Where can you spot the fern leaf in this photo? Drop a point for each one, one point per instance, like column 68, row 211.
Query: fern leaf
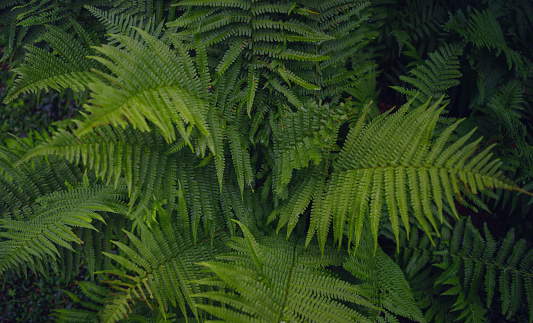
column 240, row 157
column 147, row 89
column 287, row 284
column 484, row 30
column 488, row 265
column 403, row 142
column 162, row 267
column 385, row 278
column 439, row 73
column 68, row 67
column 38, row 240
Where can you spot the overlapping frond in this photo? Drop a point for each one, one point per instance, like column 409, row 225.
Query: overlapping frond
column 115, row 153
column 42, row 195
column 21, row 186
column 148, row 81
column 158, row 266
column 483, row 263
column 292, row 49
column 66, row 67
column 24, row 22
column 308, row 185
column 151, row 170
column 96, row 297
column 483, row 30
column 35, row 241
column 416, row 255
column 301, row 137
column 125, row 24
column 238, row 111
column 439, row 73
column 270, row 280
column 384, row 278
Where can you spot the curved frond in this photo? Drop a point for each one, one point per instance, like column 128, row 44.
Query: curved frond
column 494, row 267
column 35, row 241
column 438, row 73
column 482, row 29
column 385, row 279
column 147, row 82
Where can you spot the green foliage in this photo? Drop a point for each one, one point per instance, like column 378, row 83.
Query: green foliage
column 464, row 262
column 275, row 281
column 384, row 279
column 33, row 298
column 68, row 68
column 483, row 30
column 219, row 170
column 433, row 78
column 407, row 174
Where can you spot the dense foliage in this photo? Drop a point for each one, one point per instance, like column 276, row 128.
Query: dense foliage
column 240, row 160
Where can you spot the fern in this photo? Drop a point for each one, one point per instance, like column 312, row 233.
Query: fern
column 275, row 281
column 162, row 271
column 504, row 267
column 261, row 32
column 36, row 241
column 145, row 89
column 467, row 262
column 364, row 183
column 438, row 74
column 385, row 279
column 39, row 223
column 483, row 30
column 68, row 67
column 211, row 124
column 156, row 268
column 147, row 165
column 26, row 20
column 125, row 24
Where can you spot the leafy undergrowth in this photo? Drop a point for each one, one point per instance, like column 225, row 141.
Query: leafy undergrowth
column 33, row 298
column 30, row 113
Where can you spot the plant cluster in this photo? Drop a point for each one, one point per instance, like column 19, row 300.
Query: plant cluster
column 231, row 163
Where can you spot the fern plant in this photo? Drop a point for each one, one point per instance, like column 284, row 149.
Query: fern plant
column 219, row 170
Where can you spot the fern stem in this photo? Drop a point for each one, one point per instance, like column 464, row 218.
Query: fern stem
column 288, row 284
column 316, row 54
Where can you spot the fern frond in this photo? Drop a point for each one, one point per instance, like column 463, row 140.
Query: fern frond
column 504, row 267
column 225, row 3
column 321, row 42
column 385, row 279
column 389, row 163
column 145, row 86
column 66, row 67
column 21, row 186
column 148, row 165
column 439, row 73
column 271, row 280
column 159, row 265
column 37, row 240
column 111, row 152
column 483, row 29
column 240, row 158
column 125, row 24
